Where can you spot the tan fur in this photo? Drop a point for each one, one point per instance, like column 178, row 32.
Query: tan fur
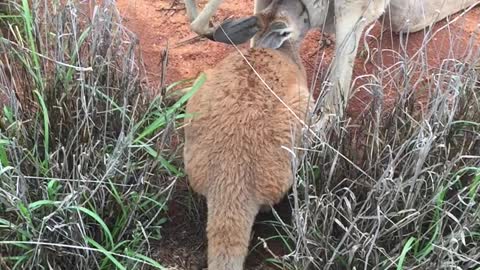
column 234, row 153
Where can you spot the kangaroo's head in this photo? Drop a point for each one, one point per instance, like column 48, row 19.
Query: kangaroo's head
column 283, row 23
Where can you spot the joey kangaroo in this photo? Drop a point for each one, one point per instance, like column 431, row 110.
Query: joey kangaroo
column 239, row 142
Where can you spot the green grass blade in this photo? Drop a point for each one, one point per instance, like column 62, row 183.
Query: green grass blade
column 8, row 114
column 474, row 186
column 148, row 260
column 114, row 250
column 6, row 224
column 24, row 212
column 167, row 165
column 173, row 85
column 150, row 129
column 435, row 223
column 106, row 253
column 36, row 205
column 81, row 39
column 196, row 85
column 46, row 125
column 160, row 122
column 99, row 220
column 405, row 250
column 29, row 24
column 3, row 154
column 53, row 187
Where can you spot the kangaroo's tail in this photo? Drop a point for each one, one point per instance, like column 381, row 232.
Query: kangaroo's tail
column 230, row 221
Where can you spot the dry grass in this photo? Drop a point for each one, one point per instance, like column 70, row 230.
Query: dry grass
column 85, row 175
column 398, row 189
column 86, row 165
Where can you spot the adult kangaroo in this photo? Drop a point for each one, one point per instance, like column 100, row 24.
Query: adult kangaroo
column 346, row 18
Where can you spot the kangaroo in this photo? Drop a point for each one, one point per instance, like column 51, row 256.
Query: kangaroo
column 239, row 142
column 347, row 19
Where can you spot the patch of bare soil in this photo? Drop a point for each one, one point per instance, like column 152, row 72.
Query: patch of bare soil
column 162, row 26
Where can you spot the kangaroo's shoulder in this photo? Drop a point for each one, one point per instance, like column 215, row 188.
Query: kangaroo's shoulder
column 258, row 66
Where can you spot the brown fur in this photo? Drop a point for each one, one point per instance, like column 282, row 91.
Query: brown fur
column 233, row 145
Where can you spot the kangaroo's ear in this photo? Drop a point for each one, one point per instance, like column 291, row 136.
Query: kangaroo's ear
column 236, row 31
column 275, row 36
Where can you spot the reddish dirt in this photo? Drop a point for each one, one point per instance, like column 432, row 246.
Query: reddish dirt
column 459, row 40
column 163, row 24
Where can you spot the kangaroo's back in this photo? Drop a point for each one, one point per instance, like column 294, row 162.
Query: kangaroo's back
column 240, row 124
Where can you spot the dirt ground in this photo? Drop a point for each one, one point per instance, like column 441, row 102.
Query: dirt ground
column 162, row 24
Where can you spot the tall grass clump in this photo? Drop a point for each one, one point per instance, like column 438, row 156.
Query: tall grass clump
column 399, row 188
column 84, row 171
